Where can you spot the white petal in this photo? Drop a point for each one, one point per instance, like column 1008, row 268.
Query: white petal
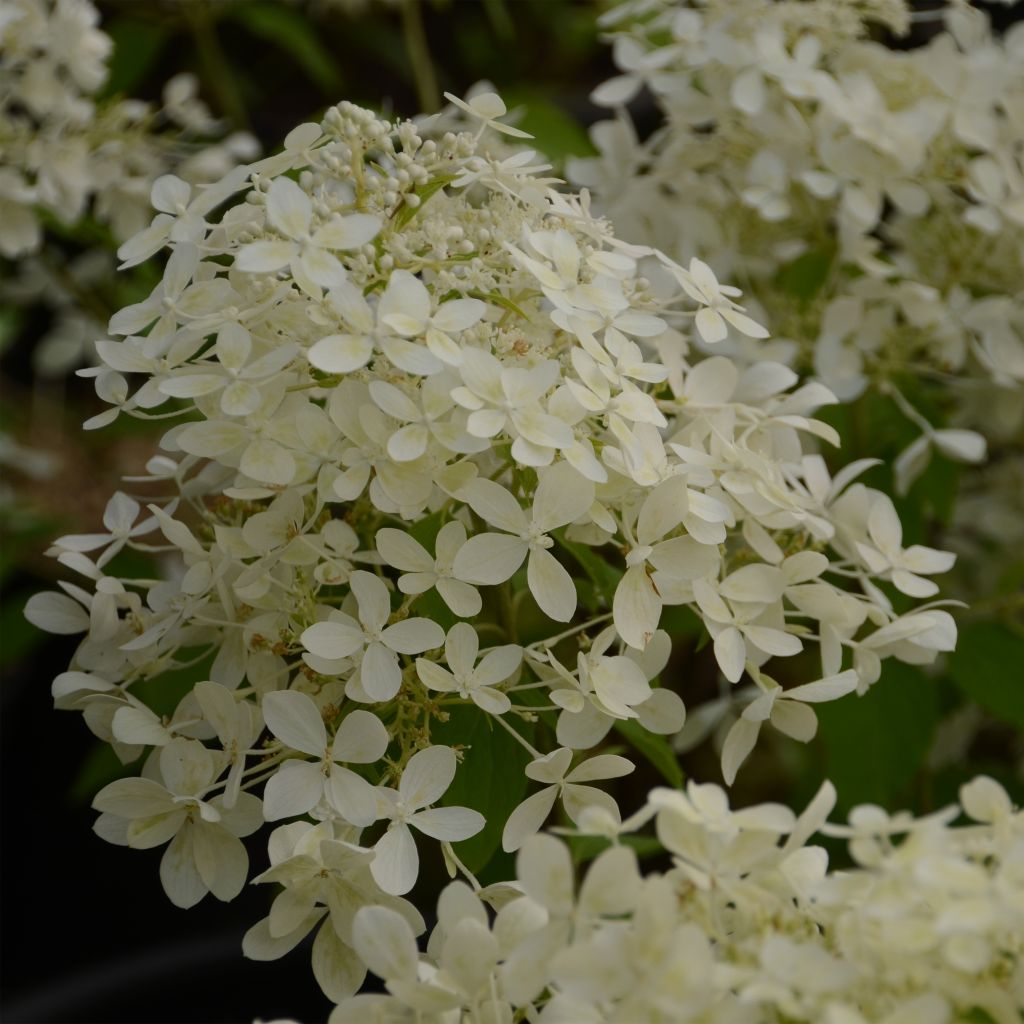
column 603, row 766
column 636, row 607
column 527, row 818
column 361, row 739
column 551, row 585
column 57, row 613
column 761, row 584
column 408, row 443
column 497, row 665
column 352, row 796
column 178, row 872
column 394, row 402
column 730, row 653
column 294, row 789
column 289, row 209
column 461, row 647
column 341, row 353
column 259, row 944
column 169, row 192
column 831, row 688
column 338, row 970
column 372, row 596
column 451, row 824
column 544, row 868
column 267, row 462
column 738, row 745
column 711, row 325
column 962, row 445
column 133, row 798
column 320, row 267
column 712, row 382
column 138, row 725
column 349, row 232
column 795, row 720
column 496, row 505
column 265, row 257
column 406, row 295
column 332, row 640
column 563, row 496
column 380, row 672
column 396, row 861
column 458, row 314
column 773, row 641
column 494, row 702
column 385, row 943
column 434, row 677
column 489, row 558
column 663, row 712
column 744, row 324
column 747, row 93
column 427, row 775
column 413, row 636
column 403, row 552
column 220, row 859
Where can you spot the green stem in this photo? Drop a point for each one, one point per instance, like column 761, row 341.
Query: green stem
column 215, row 65
column 419, row 56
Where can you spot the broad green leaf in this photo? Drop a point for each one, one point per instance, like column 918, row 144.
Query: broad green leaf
column 655, row 748
column 489, row 779
column 876, row 744
column 986, row 666
column 602, row 574
column 586, row 848
column 805, row 276
column 556, row 133
column 137, row 46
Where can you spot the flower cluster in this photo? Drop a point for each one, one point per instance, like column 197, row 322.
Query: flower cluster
column 440, row 457
column 746, row 925
column 63, row 149
column 871, row 199
column 67, row 153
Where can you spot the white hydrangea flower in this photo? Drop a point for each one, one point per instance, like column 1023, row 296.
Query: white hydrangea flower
column 424, row 780
column 417, row 337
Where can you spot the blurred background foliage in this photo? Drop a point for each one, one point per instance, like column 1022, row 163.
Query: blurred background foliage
column 266, row 65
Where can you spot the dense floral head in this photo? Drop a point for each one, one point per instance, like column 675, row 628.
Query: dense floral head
column 871, row 198
column 443, row 455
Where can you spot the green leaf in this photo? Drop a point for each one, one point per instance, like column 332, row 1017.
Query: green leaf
column 499, row 300
column 977, row 1015
column 805, row 276
column 137, row 46
column 986, row 666
column 586, row 848
column 655, row 748
column 20, row 637
column 164, row 692
column 99, row 767
column 405, row 212
column 556, row 133
column 875, row 745
column 490, row 778
column 292, row 32
column 10, row 324
column 601, row 573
